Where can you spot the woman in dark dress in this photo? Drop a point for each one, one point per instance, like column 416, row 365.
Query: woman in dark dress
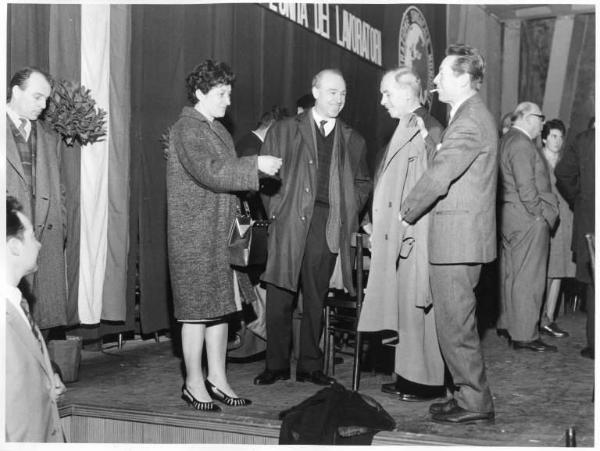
column 203, row 171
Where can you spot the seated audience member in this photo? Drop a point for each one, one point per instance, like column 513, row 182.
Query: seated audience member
column 575, row 180
column 32, row 386
column 249, row 145
column 250, row 339
column 560, row 264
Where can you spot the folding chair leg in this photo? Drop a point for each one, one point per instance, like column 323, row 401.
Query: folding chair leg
column 356, row 367
column 326, row 340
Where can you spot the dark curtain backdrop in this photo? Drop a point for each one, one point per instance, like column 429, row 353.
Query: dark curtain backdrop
column 274, row 60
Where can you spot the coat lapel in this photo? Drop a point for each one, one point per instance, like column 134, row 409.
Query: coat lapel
column 392, row 152
column 44, row 145
column 12, row 154
column 307, row 131
column 223, row 135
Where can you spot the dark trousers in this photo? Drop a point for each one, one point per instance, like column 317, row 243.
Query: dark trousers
column 454, row 302
column 317, row 266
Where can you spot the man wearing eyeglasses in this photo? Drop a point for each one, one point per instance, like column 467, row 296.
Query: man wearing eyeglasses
column 529, row 211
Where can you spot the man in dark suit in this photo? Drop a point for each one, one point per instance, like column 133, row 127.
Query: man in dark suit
column 459, row 187
column 324, row 185
column 529, row 211
column 32, row 386
column 33, row 176
column 575, row 180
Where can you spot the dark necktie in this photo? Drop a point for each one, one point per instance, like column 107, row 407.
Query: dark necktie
column 22, row 129
column 34, row 329
column 322, row 127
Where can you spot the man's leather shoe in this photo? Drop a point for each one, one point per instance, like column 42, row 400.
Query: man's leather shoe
column 458, row 415
column 535, row 345
column 587, row 352
column 503, row 333
column 553, row 330
column 316, row 377
column 442, row 407
column 422, row 394
column 268, row 377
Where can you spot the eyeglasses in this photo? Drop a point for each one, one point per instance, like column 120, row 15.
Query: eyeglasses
column 541, row 116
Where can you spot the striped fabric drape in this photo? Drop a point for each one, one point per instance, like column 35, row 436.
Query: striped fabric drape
column 88, row 44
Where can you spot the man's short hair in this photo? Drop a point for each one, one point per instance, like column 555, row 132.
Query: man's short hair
column 405, row 76
column 206, row 76
column 553, row 124
column 21, row 76
column 522, row 110
column 305, row 102
column 469, row 61
column 14, row 226
column 317, row 78
column 277, row 113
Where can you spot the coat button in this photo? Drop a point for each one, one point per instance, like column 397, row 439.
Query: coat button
column 390, row 204
column 50, row 227
column 386, row 236
column 303, row 218
column 307, row 190
column 310, row 162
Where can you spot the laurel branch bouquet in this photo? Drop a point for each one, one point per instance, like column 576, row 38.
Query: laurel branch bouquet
column 73, row 114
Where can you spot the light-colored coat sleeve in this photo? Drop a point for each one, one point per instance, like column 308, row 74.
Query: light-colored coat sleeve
column 32, row 412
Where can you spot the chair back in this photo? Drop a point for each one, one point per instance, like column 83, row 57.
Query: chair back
column 591, row 249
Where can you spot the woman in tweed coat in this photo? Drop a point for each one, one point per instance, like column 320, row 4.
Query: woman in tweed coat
column 202, row 172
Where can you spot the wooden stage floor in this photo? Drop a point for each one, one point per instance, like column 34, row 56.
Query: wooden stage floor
column 537, row 395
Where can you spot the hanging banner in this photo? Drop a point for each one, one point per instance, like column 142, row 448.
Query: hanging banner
column 336, row 24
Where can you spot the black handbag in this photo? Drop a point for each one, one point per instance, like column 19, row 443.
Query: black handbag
column 247, row 239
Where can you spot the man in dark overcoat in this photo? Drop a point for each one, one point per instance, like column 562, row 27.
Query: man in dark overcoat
column 575, row 180
column 459, row 190
column 324, row 185
column 33, row 176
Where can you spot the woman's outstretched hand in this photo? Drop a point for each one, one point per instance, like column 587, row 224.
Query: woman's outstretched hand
column 269, row 164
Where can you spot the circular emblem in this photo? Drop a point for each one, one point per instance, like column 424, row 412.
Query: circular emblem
column 415, row 49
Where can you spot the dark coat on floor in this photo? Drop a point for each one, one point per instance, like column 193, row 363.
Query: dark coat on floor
column 332, row 414
column 202, row 170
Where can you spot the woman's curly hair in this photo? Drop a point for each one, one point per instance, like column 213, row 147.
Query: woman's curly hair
column 206, row 76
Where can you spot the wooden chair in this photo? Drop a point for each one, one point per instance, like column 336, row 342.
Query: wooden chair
column 347, row 320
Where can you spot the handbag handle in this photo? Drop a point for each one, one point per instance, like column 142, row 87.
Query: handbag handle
column 244, row 208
